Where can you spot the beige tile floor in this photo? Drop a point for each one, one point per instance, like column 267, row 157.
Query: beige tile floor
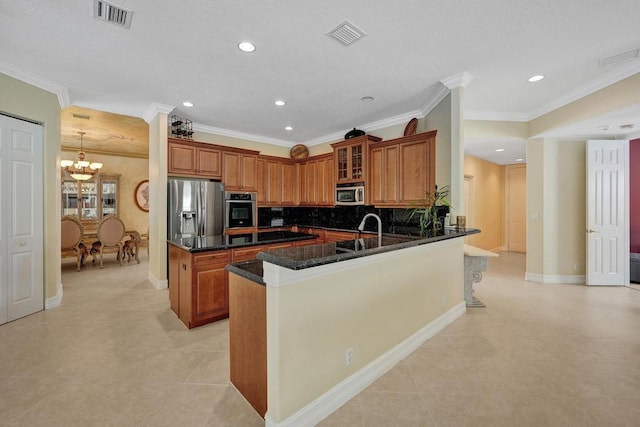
column 538, row 355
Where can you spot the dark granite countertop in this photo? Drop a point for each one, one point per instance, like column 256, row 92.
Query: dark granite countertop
column 251, row 270
column 314, row 255
column 211, row 243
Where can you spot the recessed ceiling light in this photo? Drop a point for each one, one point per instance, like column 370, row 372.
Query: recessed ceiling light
column 519, row 160
column 288, row 128
column 280, row 102
column 246, row 46
column 367, row 99
column 499, row 149
column 187, row 104
column 535, row 78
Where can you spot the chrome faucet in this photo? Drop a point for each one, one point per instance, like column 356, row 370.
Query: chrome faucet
column 361, row 226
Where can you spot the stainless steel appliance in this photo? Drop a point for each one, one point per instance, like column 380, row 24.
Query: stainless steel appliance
column 350, row 195
column 195, row 208
column 241, row 210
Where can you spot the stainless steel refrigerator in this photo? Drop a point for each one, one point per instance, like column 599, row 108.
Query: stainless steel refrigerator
column 195, row 208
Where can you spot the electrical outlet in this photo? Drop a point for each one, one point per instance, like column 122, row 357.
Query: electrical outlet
column 444, row 300
column 576, row 266
column 348, row 356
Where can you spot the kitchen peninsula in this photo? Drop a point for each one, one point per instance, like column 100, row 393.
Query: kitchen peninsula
column 312, row 326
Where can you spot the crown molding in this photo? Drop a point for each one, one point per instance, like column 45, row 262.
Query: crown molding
column 621, row 73
column 241, row 135
column 441, row 94
column 38, row 81
column 457, row 80
column 155, row 109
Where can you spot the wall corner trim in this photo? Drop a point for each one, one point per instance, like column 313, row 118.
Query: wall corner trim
column 55, row 300
column 156, row 283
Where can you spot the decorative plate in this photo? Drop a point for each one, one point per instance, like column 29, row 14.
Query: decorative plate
column 299, row 151
column 411, row 127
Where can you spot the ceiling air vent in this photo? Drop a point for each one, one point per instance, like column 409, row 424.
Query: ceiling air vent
column 111, row 13
column 346, row 33
column 620, row 58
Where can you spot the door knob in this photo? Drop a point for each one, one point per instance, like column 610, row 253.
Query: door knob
column 591, row 231
column 23, row 243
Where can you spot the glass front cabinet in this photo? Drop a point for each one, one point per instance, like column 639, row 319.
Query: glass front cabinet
column 90, row 200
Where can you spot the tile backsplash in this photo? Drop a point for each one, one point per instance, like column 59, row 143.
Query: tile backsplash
column 340, row 217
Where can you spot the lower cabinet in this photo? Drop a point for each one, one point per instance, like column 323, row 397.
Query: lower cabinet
column 198, row 285
column 338, row 236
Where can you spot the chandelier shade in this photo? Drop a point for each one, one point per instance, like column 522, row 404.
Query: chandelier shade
column 81, row 169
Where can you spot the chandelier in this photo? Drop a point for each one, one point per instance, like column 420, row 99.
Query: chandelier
column 82, row 169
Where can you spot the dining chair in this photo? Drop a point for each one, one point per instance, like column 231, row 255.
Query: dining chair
column 110, row 234
column 72, row 234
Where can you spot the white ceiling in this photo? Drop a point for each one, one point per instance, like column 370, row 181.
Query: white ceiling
column 177, row 51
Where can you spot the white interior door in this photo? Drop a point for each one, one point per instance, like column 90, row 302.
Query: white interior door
column 21, row 219
column 607, row 248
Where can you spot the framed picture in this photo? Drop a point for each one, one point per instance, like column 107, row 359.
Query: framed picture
column 141, row 195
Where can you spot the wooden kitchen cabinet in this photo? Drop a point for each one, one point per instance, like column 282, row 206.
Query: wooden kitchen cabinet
column 239, row 170
column 402, row 170
column 351, row 159
column 198, row 285
column 192, row 159
column 277, row 179
column 316, row 181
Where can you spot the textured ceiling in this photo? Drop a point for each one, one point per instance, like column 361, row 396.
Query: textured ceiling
column 176, row 51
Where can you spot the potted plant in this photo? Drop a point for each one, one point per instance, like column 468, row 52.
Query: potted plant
column 427, row 209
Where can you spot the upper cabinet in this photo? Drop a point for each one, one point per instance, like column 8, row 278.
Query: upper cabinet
column 90, row 200
column 194, row 160
column 276, row 181
column 239, row 170
column 351, row 159
column 316, row 181
column 402, row 170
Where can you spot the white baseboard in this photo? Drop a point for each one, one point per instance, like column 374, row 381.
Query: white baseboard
column 578, row 279
column 55, row 300
column 156, row 283
column 333, row 399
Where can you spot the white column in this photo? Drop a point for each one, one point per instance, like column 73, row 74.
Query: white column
column 157, row 117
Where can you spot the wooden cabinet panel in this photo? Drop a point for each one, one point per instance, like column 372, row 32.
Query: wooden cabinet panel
column 415, row 170
column 289, row 187
column 211, row 293
column 209, row 162
column 316, row 181
column 283, row 245
column 338, row 236
column 245, row 254
column 239, row 171
column 194, row 159
column 402, row 170
column 174, row 278
column 182, row 159
column 383, row 177
column 274, row 177
column 261, row 182
column 198, row 285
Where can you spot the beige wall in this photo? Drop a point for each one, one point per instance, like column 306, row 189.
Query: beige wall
column 481, row 129
column 614, row 97
column 488, row 205
column 132, row 171
column 370, row 304
column 556, row 200
column 23, row 100
column 268, row 149
column 440, row 119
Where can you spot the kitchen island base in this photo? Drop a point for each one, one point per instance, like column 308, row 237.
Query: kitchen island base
column 378, row 308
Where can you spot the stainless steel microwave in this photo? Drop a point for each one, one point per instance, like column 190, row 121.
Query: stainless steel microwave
column 350, row 196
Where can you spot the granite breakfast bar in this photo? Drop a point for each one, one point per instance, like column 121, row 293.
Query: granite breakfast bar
column 310, row 327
